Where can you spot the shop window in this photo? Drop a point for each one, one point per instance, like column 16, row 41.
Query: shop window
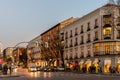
column 107, row 65
column 96, row 51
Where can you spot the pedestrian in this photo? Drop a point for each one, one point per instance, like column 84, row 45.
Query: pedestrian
column 10, row 69
column 5, row 69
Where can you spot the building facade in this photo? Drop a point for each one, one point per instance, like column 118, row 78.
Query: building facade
column 94, row 40
column 34, row 52
column 51, row 44
column 20, row 56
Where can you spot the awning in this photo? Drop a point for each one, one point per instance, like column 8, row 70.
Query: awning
column 87, row 62
column 1, row 62
column 94, row 62
column 81, row 62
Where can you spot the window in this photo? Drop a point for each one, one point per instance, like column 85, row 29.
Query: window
column 118, row 37
column 88, row 29
column 70, row 33
column 66, row 44
column 107, row 20
column 66, row 35
column 96, row 50
column 82, row 39
column 76, row 41
column 71, row 43
column 96, row 36
column 81, row 29
column 107, row 49
column 88, row 38
column 107, row 33
column 88, row 52
column 76, row 29
column 82, row 54
column 96, row 23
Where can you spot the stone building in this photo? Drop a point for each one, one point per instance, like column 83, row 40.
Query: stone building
column 94, row 40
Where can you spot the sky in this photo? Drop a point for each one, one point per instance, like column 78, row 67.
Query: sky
column 23, row 20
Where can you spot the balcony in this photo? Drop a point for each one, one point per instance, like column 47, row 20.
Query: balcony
column 76, row 34
column 81, row 42
column 88, row 29
column 82, row 56
column 70, row 36
column 70, row 58
column 88, row 41
column 75, row 57
column 95, row 39
column 66, row 46
column 71, row 45
column 118, row 37
column 66, row 37
column 62, row 39
column 76, row 44
column 88, row 55
column 107, row 25
column 95, row 27
column 107, row 37
column 66, row 58
column 81, row 32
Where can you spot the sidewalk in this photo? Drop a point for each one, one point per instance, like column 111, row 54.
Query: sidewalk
column 13, row 75
column 9, row 75
column 112, row 74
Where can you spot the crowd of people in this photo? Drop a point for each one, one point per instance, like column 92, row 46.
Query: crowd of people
column 4, row 68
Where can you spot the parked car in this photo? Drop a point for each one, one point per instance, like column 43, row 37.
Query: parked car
column 38, row 68
column 47, row 68
column 60, row 68
column 32, row 69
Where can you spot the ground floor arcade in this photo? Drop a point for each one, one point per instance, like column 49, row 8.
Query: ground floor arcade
column 102, row 64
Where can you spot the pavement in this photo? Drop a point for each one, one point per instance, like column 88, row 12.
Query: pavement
column 13, row 75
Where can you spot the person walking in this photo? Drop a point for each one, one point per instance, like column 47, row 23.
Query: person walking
column 5, row 69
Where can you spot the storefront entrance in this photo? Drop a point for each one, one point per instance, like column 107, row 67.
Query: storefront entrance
column 88, row 64
column 81, row 64
column 118, row 65
column 107, row 65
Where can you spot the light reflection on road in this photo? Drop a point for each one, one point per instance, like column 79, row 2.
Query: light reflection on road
column 37, row 74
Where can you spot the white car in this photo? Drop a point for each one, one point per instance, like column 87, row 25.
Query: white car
column 60, row 68
column 32, row 69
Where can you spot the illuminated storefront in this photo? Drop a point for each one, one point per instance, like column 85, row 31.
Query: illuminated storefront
column 81, row 64
column 107, row 65
column 88, row 64
column 96, row 65
column 118, row 65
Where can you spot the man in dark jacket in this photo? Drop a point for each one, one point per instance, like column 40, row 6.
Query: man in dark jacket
column 5, row 69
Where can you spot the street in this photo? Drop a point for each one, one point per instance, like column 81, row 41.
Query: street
column 25, row 75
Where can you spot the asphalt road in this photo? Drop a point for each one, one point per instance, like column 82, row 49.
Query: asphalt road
column 25, row 75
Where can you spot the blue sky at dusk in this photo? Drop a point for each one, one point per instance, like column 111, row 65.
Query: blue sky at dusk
column 23, row 20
